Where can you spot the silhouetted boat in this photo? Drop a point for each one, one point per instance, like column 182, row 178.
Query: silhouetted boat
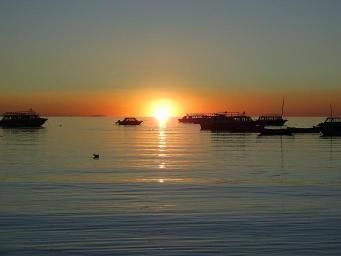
column 129, row 121
column 314, row 129
column 192, row 118
column 273, row 119
column 196, row 118
column 270, row 120
column 231, row 122
column 275, row 131
column 331, row 126
column 22, row 119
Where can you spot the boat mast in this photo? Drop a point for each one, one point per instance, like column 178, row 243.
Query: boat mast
column 331, row 110
column 282, row 107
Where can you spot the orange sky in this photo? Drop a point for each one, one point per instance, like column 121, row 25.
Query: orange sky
column 121, row 57
column 143, row 102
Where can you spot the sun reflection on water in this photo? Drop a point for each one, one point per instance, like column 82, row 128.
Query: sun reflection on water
column 161, row 180
column 162, row 148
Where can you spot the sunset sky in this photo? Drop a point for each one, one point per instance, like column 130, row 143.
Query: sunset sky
column 125, row 57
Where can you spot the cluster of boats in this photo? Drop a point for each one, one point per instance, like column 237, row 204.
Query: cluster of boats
column 265, row 124
column 224, row 121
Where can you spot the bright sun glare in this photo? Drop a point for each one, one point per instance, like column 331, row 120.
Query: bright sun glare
column 162, row 111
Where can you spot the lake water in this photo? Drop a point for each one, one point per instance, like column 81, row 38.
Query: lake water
column 169, row 190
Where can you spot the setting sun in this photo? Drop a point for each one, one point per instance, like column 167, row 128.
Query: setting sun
column 162, row 113
column 162, row 110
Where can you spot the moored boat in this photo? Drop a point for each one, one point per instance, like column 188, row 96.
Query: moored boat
column 129, row 121
column 275, row 131
column 271, row 120
column 230, row 122
column 314, row 129
column 22, row 119
column 192, row 118
column 196, row 118
column 331, row 126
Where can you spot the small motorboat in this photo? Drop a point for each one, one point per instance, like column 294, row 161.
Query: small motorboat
column 279, row 131
column 129, row 121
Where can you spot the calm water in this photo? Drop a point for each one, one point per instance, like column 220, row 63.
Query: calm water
column 172, row 190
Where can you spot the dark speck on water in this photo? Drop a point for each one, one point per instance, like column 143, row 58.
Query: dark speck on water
column 169, row 190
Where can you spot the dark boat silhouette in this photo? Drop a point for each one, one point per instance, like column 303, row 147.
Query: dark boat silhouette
column 22, row 119
column 196, row 118
column 191, row 118
column 129, row 121
column 289, row 130
column 276, row 131
column 271, row 120
column 331, row 126
column 314, row 129
column 231, row 122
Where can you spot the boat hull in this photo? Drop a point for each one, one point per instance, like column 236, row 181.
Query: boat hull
column 186, row 121
column 248, row 127
column 331, row 131
column 132, row 123
column 23, row 123
column 191, row 120
column 274, row 132
column 304, row 130
column 331, row 127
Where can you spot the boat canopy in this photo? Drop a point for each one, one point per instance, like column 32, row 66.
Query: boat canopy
column 270, row 117
column 333, row 120
column 200, row 115
column 21, row 115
